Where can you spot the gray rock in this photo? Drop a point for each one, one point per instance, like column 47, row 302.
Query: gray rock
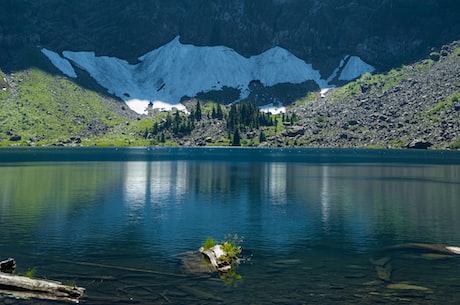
column 15, row 138
column 419, row 144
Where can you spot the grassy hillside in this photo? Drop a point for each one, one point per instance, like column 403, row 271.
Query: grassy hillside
column 41, row 109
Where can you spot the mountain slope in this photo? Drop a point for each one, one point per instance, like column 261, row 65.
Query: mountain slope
column 40, row 109
column 418, row 101
column 415, row 102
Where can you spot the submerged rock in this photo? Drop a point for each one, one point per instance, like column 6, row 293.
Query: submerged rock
column 403, row 286
column 383, row 268
column 384, row 272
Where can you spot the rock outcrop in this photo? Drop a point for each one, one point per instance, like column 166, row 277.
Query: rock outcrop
column 383, row 33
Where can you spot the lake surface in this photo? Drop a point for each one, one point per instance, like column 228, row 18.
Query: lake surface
column 127, row 224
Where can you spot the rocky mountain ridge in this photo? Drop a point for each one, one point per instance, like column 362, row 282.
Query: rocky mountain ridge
column 383, row 33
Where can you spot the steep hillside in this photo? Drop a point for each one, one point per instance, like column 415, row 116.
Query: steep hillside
column 37, row 108
column 417, row 102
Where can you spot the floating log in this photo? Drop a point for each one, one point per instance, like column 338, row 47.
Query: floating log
column 427, row 247
column 43, row 289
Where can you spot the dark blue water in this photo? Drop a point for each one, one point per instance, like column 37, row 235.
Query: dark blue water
column 126, row 224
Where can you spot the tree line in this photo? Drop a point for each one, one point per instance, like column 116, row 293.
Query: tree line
column 240, row 117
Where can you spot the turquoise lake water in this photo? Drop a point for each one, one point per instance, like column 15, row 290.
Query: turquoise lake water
column 127, row 223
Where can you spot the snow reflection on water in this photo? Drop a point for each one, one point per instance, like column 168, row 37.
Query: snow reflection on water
column 310, row 228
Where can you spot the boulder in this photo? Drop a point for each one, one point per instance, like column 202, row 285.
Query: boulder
column 294, row 131
column 418, row 144
column 15, row 138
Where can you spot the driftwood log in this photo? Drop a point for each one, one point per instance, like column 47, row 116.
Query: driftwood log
column 24, row 287
column 43, row 289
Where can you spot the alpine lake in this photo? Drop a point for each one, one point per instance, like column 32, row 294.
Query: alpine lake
column 317, row 226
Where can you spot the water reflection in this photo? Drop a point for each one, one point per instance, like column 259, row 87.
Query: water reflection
column 275, row 182
column 325, row 200
column 276, row 203
column 143, row 214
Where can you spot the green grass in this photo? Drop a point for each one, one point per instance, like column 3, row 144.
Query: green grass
column 4, row 88
column 456, row 52
column 321, row 119
column 381, row 82
column 452, row 100
column 307, row 99
column 31, row 273
column 455, row 145
column 209, row 243
column 51, row 109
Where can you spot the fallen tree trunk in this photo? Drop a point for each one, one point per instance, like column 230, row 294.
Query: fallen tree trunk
column 43, row 289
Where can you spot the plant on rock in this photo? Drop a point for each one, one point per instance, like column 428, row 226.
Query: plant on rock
column 209, row 243
column 222, row 256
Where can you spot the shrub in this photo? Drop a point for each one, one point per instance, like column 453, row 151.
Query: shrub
column 209, row 243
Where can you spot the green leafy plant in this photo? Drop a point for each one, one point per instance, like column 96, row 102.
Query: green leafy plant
column 232, row 251
column 30, row 273
column 209, row 243
column 231, row 246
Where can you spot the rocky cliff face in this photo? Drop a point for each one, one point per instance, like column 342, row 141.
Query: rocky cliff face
column 384, row 33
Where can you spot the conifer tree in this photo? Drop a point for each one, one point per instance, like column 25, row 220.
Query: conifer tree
column 236, row 138
column 219, row 113
column 198, row 111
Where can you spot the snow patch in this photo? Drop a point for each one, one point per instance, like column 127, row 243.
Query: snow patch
column 354, row 68
column 324, row 91
column 336, row 71
column 166, row 75
column 139, row 106
column 273, row 108
column 61, row 63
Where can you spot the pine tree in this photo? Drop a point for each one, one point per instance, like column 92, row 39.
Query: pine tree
column 219, row 113
column 262, row 137
column 198, row 111
column 214, row 112
column 236, row 138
